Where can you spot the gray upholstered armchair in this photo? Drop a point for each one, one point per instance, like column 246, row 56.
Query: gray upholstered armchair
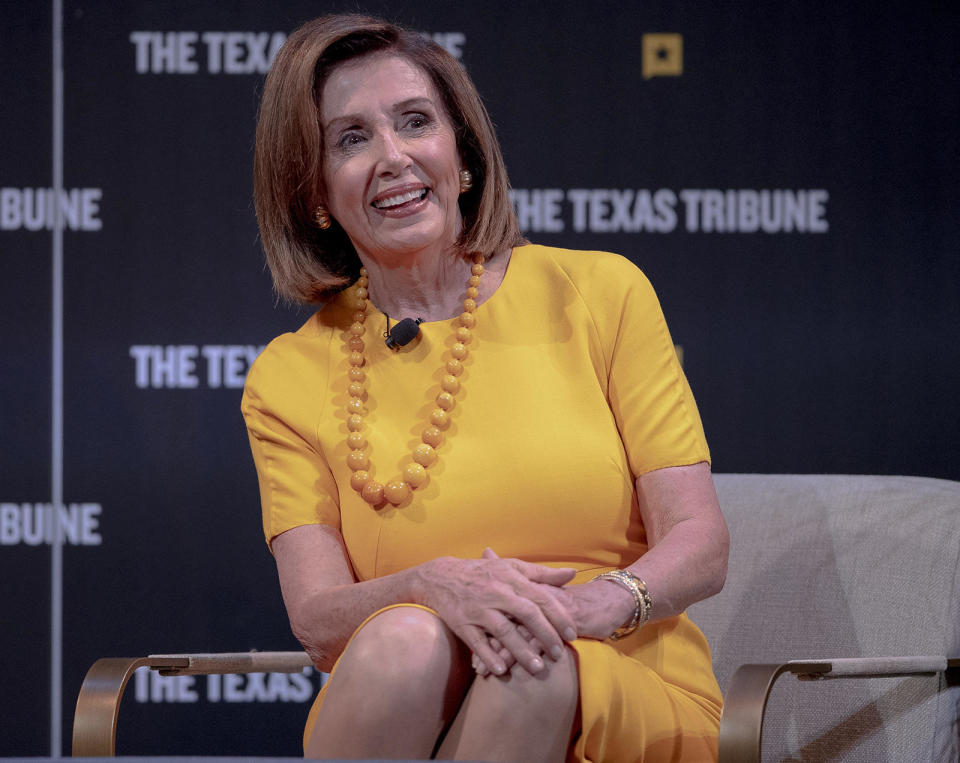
column 854, row 576
column 844, row 572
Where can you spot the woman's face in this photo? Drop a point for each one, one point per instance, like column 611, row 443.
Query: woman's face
column 390, row 159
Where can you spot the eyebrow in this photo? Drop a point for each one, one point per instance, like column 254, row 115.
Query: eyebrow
column 397, row 108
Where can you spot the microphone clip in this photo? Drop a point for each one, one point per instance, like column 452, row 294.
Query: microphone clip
column 403, row 333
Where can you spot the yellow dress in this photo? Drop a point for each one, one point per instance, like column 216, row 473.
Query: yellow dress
column 571, row 389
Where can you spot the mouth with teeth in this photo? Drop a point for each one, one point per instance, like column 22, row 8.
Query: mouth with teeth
column 400, row 199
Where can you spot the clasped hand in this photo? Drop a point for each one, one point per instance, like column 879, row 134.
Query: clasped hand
column 504, row 610
column 508, row 610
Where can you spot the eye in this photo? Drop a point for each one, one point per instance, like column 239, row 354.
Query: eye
column 350, row 139
column 417, row 121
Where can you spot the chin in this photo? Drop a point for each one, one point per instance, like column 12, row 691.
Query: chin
column 416, row 241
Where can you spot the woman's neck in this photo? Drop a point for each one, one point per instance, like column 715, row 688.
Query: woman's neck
column 431, row 288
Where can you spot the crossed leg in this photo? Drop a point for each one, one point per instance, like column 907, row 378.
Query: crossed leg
column 397, row 686
column 519, row 717
column 405, row 679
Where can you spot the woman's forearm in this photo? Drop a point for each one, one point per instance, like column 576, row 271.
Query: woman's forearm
column 687, row 536
column 686, row 560
column 688, row 564
column 325, row 619
column 324, row 603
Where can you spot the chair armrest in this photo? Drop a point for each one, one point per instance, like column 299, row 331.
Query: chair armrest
column 98, row 704
column 741, row 724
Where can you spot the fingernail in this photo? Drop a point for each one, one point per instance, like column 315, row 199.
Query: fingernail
column 570, row 634
column 556, row 652
column 473, row 662
column 537, row 664
column 499, row 668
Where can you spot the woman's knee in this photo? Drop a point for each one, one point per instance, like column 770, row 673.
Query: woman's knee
column 552, row 692
column 402, row 644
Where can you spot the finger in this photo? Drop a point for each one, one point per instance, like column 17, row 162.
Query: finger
column 534, row 642
column 505, row 631
column 479, row 666
column 538, row 573
column 505, row 655
column 524, row 609
column 479, row 644
column 543, row 610
column 555, row 616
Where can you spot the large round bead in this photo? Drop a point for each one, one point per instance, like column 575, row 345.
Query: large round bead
column 356, row 328
column 356, row 358
column 363, row 272
column 396, row 491
column 454, row 367
column 355, row 405
column 469, row 305
column 361, row 292
column 357, row 459
column 357, row 374
column 466, row 319
column 359, row 304
column 464, row 335
column 440, row 418
column 372, row 493
column 425, row 455
column 432, row 436
column 473, row 292
column 358, row 479
column 414, row 474
column 445, row 400
column 474, row 280
column 450, row 384
column 476, row 269
column 459, row 351
column 360, row 316
column 354, row 422
column 355, row 389
column 355, row 344
column 356, row 440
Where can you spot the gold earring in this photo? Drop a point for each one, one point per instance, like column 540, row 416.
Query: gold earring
column 321, row 217
column 466, row 181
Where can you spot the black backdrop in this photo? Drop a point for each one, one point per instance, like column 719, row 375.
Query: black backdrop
column 820, row 340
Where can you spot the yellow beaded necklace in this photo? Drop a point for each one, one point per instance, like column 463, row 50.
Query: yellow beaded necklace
column 397, row 491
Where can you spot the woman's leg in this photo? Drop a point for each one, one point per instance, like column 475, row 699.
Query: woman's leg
column 521, row 717
column 396, row 687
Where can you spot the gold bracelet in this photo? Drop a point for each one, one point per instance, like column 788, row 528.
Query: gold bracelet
column 643, row 605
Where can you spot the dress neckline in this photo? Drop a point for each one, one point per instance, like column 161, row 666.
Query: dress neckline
column 375, row 312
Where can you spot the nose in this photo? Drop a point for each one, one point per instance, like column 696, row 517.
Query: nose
column 393, row 158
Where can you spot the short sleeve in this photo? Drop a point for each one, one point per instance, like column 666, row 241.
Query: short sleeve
column 296, row 484
column 647, row 390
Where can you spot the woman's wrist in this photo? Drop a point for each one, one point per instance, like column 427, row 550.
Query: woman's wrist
column 634, row 593
column 422, row 581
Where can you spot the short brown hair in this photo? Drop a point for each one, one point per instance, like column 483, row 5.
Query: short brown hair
column 308, row 263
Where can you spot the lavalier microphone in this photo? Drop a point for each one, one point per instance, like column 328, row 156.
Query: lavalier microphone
column 403, row 333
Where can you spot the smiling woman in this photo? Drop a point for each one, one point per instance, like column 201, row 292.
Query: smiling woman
column 540, row 411
column 390, row 165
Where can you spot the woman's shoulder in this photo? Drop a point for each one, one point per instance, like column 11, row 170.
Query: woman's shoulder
column 600, row 273
column 300, row 354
